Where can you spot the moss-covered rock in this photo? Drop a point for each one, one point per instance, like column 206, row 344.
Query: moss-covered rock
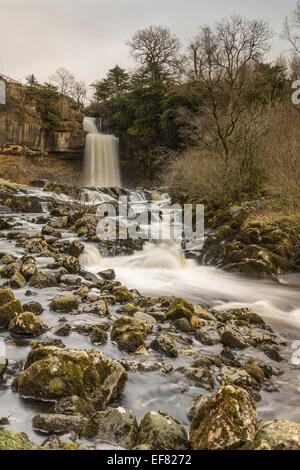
column 36, row 245
column 52, row 373
column 279, row 434
column 33, row 307
column 9, row 311
column 225, row 421
column 26, row 325
column 51, row 231
column 17, row 281
column 6, row 296
column 70, row 263
column 130, row 333
column 74, row 405
column 98, row 335
column 232, row 338
column 27, row 266
column 200, row 377
column 98, row 307
column 123, row 295
column 163, row 344
column 117, row 426
column 58, row 423
column 42, row 279
column 160, row 431
column 12, row 441
column 65, row 303
column 180, row 308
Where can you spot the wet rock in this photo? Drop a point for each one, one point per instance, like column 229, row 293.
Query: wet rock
column 13, row 441
column 3, row 364
column 208, row 333
column 57, row 423
column 33, row 307
column 147, row 366
column 58, row 222
column 272, row 352
column 109, row 274
column 225, row 421
column 74, row 406
column 123, row 295
column 6, row 296
column 75, row 248
column 182, row 324
column 232, row 337
column 279, row 434
column 99, row 308
column 117, row 426
column 86, row 225
column 9, row 270
column 9, row 311
column 238, row 377
column 160, row 431
column 207, row 361
column 27, row 266
column 53, row 442
column 4, row 224
column 200, row 312
column 98, row 336
column 130, row 333
column 144, row 317
column 36, row 245
column 17, row 281
column 43, row 279
column 66, row 303
column 51, row 231
column 26, row 325
column 163, row 344
column 243, row 315
column 63, row 329
column 52, row 373
column 180, row 308
column 70, row 280
column 70, row 263
column 198, row 376
column 7, row 259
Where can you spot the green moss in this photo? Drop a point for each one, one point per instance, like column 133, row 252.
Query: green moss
column 11, row 441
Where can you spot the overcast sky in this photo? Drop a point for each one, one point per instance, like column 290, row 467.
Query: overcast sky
column 88, row 36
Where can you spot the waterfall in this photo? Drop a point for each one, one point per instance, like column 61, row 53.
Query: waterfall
column 101, row 157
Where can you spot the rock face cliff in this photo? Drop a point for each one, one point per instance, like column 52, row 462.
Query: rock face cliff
column 23, row 130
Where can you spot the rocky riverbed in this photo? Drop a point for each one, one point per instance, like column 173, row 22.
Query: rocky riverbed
column 89, row 360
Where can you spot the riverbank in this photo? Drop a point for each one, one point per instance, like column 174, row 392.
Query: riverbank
column 133, row 346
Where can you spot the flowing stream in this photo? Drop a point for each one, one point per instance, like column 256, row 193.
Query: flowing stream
column 160, row 268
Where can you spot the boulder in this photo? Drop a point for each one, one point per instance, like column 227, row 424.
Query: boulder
column 164, row 345
column 26, row 325
column 58, row 423
column 180, row 308
column 108, row 275
column 225, row 421
column 65, row 303
column 198, row 376
column 130, row 333
column 160, row 431
column 33, row 307
column 117, row 426
column 232, row 337
column 208, row 333
column 98, row 335
column 42, row 279
column 6, row 296
column 53, row 373
column 17, row 281
column 27, row 266
column 279, row 434
column 9, row 311
column 51, row 231
column 63, row 329
column 99, row 308
column 74, row 406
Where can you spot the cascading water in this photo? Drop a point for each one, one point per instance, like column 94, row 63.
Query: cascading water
column 101, row 157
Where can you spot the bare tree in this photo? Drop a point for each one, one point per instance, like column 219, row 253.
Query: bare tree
column 291, row 28
column 64, row 80
column 79, row 93
column 158, row 50
column 222, row 60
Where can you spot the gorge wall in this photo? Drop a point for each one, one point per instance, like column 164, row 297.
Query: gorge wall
column 23, row 131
